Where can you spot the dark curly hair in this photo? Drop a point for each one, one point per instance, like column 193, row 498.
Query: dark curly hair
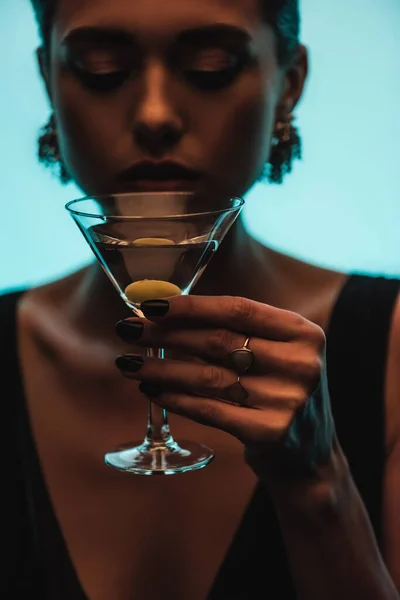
column 284, row 18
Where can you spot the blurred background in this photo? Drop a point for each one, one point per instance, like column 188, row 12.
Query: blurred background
column 339, row 209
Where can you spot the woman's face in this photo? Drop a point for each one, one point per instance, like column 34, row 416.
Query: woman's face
column 185, row 81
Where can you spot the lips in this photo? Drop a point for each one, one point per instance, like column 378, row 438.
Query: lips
column 168, row 176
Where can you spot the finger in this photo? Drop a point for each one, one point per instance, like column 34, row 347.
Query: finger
column 215, row 382
column 234, row 313
column 190, row 377
column 296, row 360
column 248, row 426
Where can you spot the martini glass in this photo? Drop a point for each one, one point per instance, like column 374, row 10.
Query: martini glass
column 152, row 246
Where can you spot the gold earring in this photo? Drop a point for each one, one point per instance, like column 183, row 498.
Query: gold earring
column 48, row 143
column 284, row 130
column 49, row 150
column 286, row 146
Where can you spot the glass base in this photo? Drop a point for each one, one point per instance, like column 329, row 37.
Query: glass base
column 159, row 459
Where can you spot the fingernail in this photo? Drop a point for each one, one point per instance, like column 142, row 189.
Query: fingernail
column 129, row 331
column 155, row 308
column 150, row 389
column 130, row 362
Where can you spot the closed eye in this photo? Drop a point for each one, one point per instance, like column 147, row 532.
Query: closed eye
column 212, row 59
column 101, row 69
column 213, row 68
column 104, row 81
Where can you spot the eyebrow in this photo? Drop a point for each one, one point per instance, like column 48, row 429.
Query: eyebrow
column 195, row 35
column 214, row 33
column 98, row 35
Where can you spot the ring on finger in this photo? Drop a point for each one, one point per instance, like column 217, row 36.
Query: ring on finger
column 242, row 358
column 236, row 393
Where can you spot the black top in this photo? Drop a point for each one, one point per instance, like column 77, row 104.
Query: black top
column 36, row 562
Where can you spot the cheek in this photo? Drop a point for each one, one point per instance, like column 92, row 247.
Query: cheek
column 248, row 131
column 93, row 136
column 239, row 138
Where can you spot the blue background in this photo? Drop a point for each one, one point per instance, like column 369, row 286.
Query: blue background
column 339, row 209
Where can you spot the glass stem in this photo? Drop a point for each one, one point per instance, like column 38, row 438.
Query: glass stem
column 158, row 433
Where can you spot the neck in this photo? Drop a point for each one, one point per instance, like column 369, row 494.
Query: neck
column 245, row 267
column 228, row 271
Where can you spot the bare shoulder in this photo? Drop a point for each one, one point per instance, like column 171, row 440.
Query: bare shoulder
column 302, row 287
column 54, row 293
column 46, row 311
column 45, row 322
column 391, row 514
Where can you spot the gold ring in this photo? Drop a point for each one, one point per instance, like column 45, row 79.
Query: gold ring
column 242, row 358
column 236, row 393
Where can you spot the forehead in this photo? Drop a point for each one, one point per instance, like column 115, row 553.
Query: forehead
column 156, row 16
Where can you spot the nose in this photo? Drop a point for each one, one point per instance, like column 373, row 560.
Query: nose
column 157, row 124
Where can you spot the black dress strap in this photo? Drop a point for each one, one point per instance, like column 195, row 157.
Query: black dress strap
column 357, row 349
column 19, row 571
column 37, row 561
column 8, row 338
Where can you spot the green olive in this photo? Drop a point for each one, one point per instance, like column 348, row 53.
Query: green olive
column 153, row 242
column 150, row 289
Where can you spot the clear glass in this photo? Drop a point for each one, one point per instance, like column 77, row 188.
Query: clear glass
column 151, row 246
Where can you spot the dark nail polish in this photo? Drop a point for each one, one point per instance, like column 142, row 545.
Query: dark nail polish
column 129, row 331
column 150, row 389
column 130, row 363
column 155, row 308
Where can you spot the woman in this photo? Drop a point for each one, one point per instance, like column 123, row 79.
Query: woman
column 211, row 86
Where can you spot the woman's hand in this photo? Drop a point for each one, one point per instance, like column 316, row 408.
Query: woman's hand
column 279, row 408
